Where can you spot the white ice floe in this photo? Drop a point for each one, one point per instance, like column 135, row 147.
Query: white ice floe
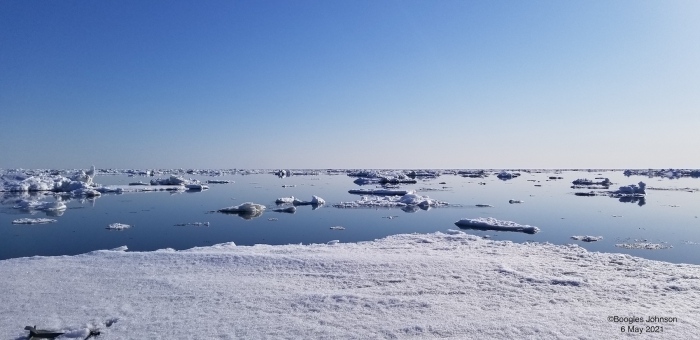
column 196, row 187
column 272, row 219
column 120, row 189
column 139, row 183
column 215, row 181
column 315, row 200
column 411, row 199
column 118, row 226
column 337, row 228
column 412, row 286
column 587, row 238
column 285, row 200
column 247, row 207
column 196, row 224
column 289, row 210
column 380, row 192
column 172, row 180
column 490, row 223
column 632, row 189
column 643, row 245
column 515, row 201
column 34, row 221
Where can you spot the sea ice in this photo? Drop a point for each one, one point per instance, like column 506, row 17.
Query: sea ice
column 285, row 200
column 289, row 210
column 408, row 200
column 490, row 223
column 315, row 200
column 337, row 228
column 391, row 192
column 118, row 226
column 247, row 210
column 34, row 221
column 484, row 205
column 411, row 286
column 515, row 201
column 196, row 187
column 587, row 238
column 213, row 181
column 643, row 245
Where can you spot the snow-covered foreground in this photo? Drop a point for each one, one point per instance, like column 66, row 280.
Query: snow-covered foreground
column 404, row 286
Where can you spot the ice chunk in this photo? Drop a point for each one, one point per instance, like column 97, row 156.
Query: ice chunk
column 484, row 205
column 247, row 210
column 587, row 238
column 406, row 201
column 196, row 224
column 34, row 221
column 118, row 226
column 172, row 180
column 490, row 223
column 212, row 181
column 315, row 200
column 337, row 228
column 196, row 187
column 285, row 200
column 515, row 201
column 632, row 189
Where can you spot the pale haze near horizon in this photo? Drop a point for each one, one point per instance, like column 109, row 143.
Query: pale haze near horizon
column 362, row 84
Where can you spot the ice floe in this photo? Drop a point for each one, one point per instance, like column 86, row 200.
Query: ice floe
column 196, row 224
column 285, row 200
column 587, row 238
column 34, row 221
column 490, row 223
column 664, row 173
column 504, row 175
column 118, row 226
column 196, row 187
column 380, row 192
column 337, row 228
column 631, row 189
column 214, row 181
column 515, row 201
column 408, row 200
column 315, row 200
column 247, row 210
column 451, row 285
column 643, row 245
column 483, row 205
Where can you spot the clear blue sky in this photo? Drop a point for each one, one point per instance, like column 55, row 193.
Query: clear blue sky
column 350, row 84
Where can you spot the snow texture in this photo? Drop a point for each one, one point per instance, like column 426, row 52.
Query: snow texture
column 34, row 221
column 490, row 223
column 418, row 286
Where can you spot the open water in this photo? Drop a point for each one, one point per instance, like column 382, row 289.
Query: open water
column 666, row 217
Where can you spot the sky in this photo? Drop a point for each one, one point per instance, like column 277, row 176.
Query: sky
column 350, row 84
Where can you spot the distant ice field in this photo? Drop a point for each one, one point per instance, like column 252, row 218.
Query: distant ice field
column 665, row 227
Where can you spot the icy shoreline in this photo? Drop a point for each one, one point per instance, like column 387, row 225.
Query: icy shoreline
column 411, row 285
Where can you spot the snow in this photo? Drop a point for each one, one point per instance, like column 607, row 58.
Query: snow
column 587, row 238
column 408, row 200
column 118, row 226
column 490, row 223
column 34, row 221
column 416, row 286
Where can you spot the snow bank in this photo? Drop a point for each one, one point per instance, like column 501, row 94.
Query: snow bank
column 490, row 223
column 34, row 221
column 419, row 286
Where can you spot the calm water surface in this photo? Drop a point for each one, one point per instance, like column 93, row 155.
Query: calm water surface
column 666, row 216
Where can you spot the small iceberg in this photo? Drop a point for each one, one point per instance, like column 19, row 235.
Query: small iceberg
column 315, row 200
column 633, row 190
column 285, row 200
column 247, row 210
column 172, row 180
column 490, row 223
column 587, row 238
column 34, row 221
column 515, row 201
column 337, row 228
column 118, row 226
